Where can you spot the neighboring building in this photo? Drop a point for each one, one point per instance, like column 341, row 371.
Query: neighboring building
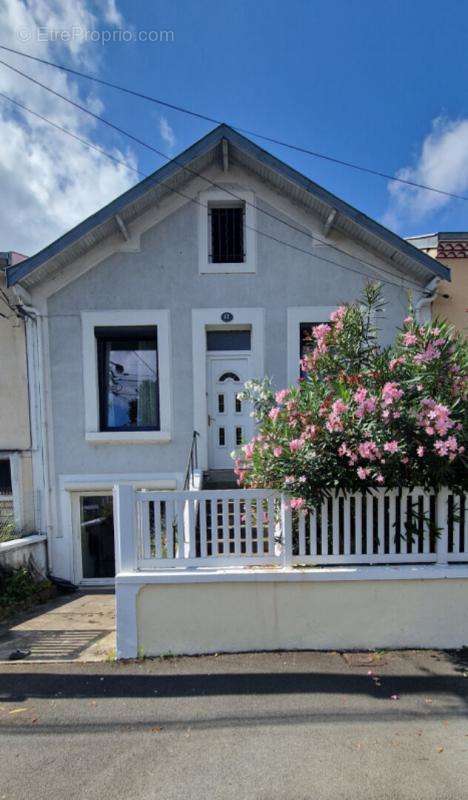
column 16, row 484
column 145, row 320
column 451, row 249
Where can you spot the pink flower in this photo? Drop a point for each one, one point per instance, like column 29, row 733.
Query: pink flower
column 408, row 320
column 409, row 339
column 297, row 503
column 391, row 447
column 420, row 451
column 295, row 445
column 320, row 333
column 248, row 450
column 390, row 393
column 379, row 478
column 337, row 317
column 281, row 395
column 429, row 354
column 452, row 444
column 339, row 407
column 363, row 472
column 277, row 451
column 334, row 423
column 441, row 447
column 344, row 450
column 405, row 460
column 273, row 414
column 360, row 395
column 369, row 450
column 394, row 362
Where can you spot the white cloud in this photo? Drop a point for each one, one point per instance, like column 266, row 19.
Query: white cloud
column 49, row 181
column 166, row 132
column 441, row 163
column 111, row 14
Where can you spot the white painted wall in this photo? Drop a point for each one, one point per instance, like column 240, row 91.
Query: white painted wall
column 18, row 552
column 230, row 616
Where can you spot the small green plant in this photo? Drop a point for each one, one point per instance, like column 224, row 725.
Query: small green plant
column 21, row 585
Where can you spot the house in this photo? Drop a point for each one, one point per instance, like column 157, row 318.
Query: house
column 451, row 249
column 146, row 319
column 17, row 506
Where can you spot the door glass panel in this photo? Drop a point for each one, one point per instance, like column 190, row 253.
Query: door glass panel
column 228, row 340
column 97, row 536
column 221, row 403
column 238, row 405
column 238, row 436
column 229, row 376
column 221, row 437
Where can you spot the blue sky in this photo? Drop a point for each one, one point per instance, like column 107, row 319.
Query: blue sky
column 383, row 85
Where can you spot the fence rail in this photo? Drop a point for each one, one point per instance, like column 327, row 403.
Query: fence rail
column 176, row 529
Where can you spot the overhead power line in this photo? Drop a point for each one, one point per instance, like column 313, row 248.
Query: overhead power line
column 218, row 186
column 256, row 134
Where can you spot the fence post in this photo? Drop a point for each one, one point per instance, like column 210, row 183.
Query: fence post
column 442, row 525
column 124, row 528
column 286, row 530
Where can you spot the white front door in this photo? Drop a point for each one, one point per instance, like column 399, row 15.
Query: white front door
column 229, row 421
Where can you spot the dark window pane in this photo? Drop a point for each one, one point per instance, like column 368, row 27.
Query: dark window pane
column 307, row 340
column 228, row 340
column 238, row 436
column 229, row 376
column 221, row 403
column 5, row 477
column 227, row 235
column 97, row 537
column 128, row 378
column 221, row 437
column 238, row 405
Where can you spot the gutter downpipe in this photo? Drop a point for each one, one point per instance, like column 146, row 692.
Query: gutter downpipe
column 37, row 401
column 429, row 294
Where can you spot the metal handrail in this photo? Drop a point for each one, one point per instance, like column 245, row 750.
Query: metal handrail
column 192, row 463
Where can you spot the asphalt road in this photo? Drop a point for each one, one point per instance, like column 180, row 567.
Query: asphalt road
column 264, row 726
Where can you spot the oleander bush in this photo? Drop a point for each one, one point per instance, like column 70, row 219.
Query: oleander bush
column 362, row 416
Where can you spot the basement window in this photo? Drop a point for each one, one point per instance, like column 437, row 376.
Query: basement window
column 5, row 477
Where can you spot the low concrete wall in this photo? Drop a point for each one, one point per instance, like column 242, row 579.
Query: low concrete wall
column 18, row 552
column 229, row 616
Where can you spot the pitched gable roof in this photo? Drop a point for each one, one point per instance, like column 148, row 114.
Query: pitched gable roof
column 99, row 225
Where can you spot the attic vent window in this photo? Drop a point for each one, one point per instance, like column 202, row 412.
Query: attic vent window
column 226, row 227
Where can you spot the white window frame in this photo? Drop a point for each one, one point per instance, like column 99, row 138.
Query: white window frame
column 296, row 316
column 220, row 197
column 95, row 319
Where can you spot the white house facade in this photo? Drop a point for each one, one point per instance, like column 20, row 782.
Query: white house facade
column 146, row 319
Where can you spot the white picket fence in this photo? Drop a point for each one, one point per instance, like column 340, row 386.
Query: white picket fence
column 187, row 529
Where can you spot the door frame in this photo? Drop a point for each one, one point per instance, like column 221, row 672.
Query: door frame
column 67, row 546
column 220, row 355
column 76, row 532
column 210, row 318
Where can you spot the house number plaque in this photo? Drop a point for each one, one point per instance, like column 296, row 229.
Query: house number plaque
column 226, row 316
